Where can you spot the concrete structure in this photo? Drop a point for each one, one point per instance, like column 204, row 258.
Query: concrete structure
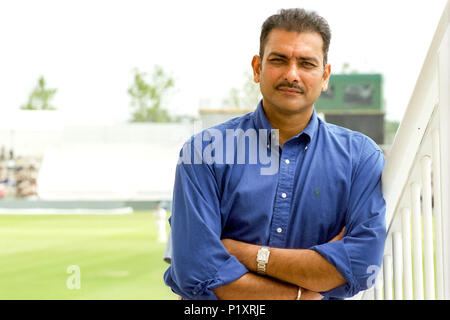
column 212, row 117
column 97, row 162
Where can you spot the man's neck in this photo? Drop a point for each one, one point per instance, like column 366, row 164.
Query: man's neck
column 288, row 125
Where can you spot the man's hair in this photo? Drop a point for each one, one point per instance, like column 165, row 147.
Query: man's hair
column 298, row 20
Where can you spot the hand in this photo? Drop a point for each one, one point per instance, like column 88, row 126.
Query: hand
column 310, row 295
column 339, row 236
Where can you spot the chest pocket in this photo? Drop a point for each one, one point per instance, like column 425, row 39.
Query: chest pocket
column 247, row 205
column 320, row 209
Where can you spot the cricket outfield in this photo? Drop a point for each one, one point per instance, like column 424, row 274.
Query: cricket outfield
column 81, row 257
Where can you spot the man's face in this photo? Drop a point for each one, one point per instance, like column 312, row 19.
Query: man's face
column 291, row 73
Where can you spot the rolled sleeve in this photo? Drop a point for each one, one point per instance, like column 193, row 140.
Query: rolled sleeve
column 362, row 246
column 200, row 262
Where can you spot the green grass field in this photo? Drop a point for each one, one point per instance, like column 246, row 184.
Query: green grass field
column 118, row 257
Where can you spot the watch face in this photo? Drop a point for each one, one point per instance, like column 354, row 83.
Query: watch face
column 263, row 255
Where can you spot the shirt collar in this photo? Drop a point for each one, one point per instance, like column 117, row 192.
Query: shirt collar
column 261, row 122
column 260, row 119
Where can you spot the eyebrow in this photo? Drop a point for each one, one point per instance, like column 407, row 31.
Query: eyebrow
column 277, row 54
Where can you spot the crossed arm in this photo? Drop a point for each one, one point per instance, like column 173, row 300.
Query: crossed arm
column 287, row 270
column 210, row 272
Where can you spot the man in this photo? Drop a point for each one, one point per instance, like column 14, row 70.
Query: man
column 160, row 219
column 313, row 228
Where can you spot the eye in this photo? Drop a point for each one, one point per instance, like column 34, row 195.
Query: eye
column 276, row 60
column 308, row 65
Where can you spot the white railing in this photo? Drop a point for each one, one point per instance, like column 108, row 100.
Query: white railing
column 416, row 187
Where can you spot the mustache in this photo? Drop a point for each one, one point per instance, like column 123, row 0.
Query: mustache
column 290, row 86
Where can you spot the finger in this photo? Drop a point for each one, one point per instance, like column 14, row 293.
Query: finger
column 339, row 236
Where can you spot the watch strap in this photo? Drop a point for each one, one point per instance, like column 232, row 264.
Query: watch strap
column 299, row 293
column 262, row 259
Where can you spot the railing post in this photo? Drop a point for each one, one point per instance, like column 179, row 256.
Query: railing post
column 417, row 241
column 387, row 277
column 397, row 248
column 427, row 227
column 407, row 258
column 378, row 287
column 444, row 106
column 437, row 214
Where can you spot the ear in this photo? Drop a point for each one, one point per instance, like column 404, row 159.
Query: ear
column 326, row 77
column 256, row 66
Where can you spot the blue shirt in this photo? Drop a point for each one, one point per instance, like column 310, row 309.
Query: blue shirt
column 328, row 177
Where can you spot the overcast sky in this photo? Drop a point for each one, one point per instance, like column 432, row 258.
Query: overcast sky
column 87, row 49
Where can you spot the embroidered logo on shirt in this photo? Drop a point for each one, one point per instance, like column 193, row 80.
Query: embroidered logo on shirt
column 316, row 192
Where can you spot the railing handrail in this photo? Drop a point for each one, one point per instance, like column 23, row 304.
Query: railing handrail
column 412, row 128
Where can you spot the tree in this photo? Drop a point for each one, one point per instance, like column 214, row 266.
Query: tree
column 40, row 97
column 247, row 97
column 346, row 69
column 148, row 94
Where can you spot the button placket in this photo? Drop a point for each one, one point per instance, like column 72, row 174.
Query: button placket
column 282, row 205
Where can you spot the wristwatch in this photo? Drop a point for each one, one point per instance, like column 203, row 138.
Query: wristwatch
column 262, row 258
column 299, row 293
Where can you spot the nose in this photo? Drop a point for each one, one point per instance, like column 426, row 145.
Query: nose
column 291, row 74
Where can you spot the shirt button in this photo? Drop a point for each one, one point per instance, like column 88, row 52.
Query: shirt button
column 287, row 161
column 306, row 148
column 279, row 230
column 283, row 195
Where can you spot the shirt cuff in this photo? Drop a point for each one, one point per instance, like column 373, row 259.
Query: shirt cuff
column 230, row 271
column 336, row 254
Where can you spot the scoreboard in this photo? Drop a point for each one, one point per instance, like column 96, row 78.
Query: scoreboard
column 355, row 101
